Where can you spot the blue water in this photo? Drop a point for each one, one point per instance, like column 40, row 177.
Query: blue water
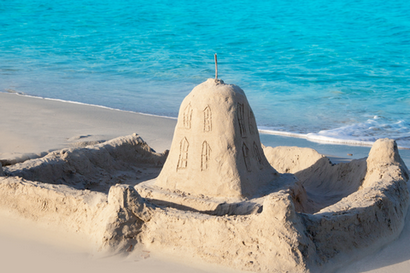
column 327, row 70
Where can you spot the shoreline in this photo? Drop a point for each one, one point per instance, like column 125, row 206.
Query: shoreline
column 87, row 124
column 311, row 137
column 32, row 126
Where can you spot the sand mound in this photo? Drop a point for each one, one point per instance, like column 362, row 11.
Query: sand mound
column 97, row 167
column 325, row 183
column 216, row 149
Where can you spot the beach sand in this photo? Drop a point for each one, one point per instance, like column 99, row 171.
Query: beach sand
column 30, row 127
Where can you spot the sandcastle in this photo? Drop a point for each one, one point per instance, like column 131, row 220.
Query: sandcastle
column 216, row 159
column 216, row 149
column 220, row 196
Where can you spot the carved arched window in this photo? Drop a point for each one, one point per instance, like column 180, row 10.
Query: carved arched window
column 257, row 155
column 207, row 119
column 205, row 156
column 241, row 119
column 183, row 154
column 187, row 116
column 252, row 123
column 245, row 152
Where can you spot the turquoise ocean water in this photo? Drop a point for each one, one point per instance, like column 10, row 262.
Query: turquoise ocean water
column 325, row 70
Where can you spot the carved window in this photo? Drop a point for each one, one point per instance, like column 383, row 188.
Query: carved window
column 241, row 119
column 251, row 122
column 205, row 156
column 183, row 154
column 207, row 119
column 187, row 116
column 245, row 152
column 257, row 155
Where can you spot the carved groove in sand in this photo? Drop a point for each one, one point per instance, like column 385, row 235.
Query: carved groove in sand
column 207, row 119
column 251, row 122
column 187, row 119
column 205, row 156
column 183, row 154
column 241, row 119
column 257, row 155
column 247, row 160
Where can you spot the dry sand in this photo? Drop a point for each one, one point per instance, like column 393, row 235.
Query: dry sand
column 25, row 246
column 31, row 126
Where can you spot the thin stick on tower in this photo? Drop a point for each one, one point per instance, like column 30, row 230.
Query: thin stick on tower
column 216, row 67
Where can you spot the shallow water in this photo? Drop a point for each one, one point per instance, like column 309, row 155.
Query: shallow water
column 330, row 71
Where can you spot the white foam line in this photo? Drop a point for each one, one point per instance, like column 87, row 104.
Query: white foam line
column 317, row 139
column 323, row 139
column 282, row 133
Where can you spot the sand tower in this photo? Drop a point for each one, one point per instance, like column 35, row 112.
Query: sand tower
column 216, row 150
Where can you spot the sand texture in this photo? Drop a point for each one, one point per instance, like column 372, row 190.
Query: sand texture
column 216, row 149
column 276, row 238
column 220, row 196
column 69, row 187
column 32, row 127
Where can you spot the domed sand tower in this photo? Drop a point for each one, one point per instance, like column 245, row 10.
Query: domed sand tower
column 216, row 150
